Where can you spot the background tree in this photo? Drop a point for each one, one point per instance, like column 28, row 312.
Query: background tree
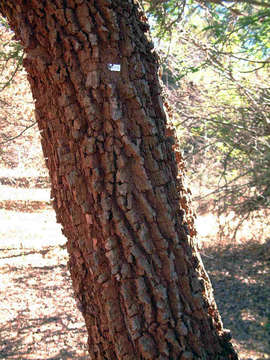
column 17, row 124
column 216, row 62
column 135, row 268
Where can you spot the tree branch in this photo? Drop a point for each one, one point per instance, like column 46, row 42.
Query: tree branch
column 18, row 135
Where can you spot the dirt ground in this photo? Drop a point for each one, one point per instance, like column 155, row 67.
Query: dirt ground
column 39, row 318
column 241, row 282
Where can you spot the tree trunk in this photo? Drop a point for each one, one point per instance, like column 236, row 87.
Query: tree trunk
column 116, row 187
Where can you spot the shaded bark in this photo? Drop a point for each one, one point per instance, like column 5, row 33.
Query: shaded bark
column 116, row 186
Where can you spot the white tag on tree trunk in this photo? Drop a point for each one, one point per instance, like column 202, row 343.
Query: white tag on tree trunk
column 114, row 67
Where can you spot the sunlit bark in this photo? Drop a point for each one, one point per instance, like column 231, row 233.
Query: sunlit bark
column 135, row 269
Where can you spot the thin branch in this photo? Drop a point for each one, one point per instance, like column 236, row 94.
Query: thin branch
column 250, row 2
column 216, row 191
column 167, row 27
column 267, row 61
column 18, row 135
column 12, row 75
column 254, row 70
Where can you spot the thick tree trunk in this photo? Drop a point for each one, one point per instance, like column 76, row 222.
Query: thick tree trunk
column 136, row 272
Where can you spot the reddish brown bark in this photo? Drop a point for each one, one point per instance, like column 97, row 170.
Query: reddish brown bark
column 136, row 272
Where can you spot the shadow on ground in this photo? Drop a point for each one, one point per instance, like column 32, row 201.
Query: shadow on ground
column 241, row 281
column 39, row 318
column 46, row 330
column 38, row 314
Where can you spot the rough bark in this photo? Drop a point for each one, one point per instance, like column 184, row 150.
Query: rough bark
column 116, row 187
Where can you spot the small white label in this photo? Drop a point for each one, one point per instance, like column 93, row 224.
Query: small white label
column 114, row 67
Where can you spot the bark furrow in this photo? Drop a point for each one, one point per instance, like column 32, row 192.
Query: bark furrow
column 118, row 191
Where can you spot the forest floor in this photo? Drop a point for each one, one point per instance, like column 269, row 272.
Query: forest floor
column 38, row 314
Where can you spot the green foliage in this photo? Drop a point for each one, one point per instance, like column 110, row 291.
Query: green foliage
column 239, row 29
column 10, row 52
column 249, row 28
column 4, row 23
column 165, row 14
column 215, row 65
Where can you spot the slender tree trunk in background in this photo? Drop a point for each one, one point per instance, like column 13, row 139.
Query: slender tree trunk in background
column 135, row 269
